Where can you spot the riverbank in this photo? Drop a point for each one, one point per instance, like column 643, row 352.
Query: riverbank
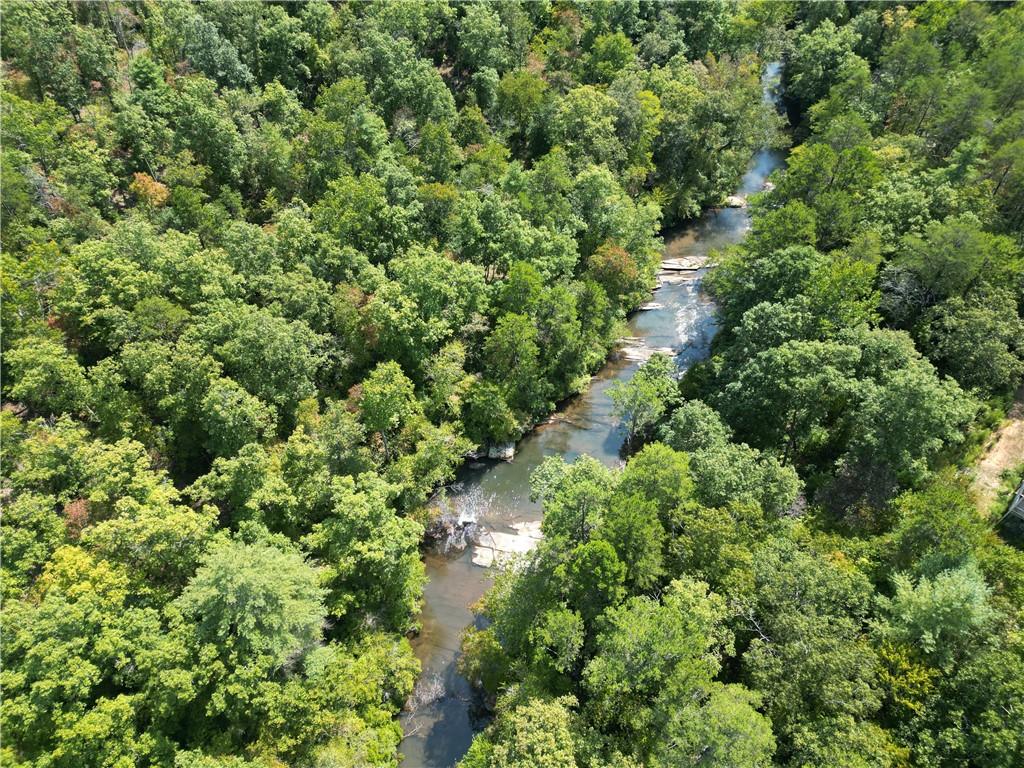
column 490, row 499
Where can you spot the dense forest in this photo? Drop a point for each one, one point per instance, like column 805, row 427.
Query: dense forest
column 271, row 271
column 790, row 569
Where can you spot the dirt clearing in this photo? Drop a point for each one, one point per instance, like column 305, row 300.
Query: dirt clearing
column 1005, row 450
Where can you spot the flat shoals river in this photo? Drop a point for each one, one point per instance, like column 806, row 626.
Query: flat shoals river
column 443, row 712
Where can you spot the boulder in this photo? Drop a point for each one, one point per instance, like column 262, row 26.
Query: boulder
column 503, row 451
column 483, row 556
column 499, row 547
column 735, row 201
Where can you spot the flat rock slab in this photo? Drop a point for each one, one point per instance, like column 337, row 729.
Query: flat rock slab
column 639, row 353
column 483, row 556
column 495, row 547
column 684, row 264
column 674, row 278
column 529, row 528
column 511, row 543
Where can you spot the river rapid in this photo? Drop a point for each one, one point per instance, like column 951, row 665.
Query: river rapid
column 491, row 500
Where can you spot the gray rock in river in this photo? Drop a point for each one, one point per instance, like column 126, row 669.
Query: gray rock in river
column 504, row 451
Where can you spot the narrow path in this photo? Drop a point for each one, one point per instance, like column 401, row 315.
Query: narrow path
column 1005, row 450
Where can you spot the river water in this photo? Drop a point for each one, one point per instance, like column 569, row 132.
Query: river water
column 443, row 713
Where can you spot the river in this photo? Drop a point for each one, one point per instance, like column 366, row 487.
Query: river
column 443, row 713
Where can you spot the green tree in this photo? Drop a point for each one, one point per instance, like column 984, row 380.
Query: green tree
column 593, row 578
column 355, row 211
column 944, row 617
column 274, row 359
column 32, row 531
column 447, row 381
column 807, row 655
column 658, row 474
column 642, row 401
column 66, row 700
column 818, row 58
column 694, row 426
column 344, row 134
column 652, row 652
column 584, row 125
column 46, row 377
column 40, row 38
column 387, row 403
column 951, row 258
column 483, row 41
column 574, row 497
column 724, row 730
column 486, row 416
column 372, row 569
column 937, row 529
column 513, row 359
column 255, row 603
column 639, row 125
column 791, row 395
column 535, row 733
column 234, row 418
column 632, row 526
column 608, row 56
column 976, row 340
column 746, row 279
column 519, row 108
column 558, row 641
column 343, row 438
column 972, row 711
column 712, row 120
column 199, row 40
column 903, row 421
column 730, row 472
column 159, row 544
column 399, row 80
column 449, row 297
column 438, row 152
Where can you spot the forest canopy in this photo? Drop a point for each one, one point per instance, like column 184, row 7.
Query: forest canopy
column 272, row 270
column 790, row 570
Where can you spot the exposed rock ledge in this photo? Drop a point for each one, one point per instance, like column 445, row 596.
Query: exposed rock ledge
column 495, row 547
column 683, row 264
column 503, row 451
column 635, row 349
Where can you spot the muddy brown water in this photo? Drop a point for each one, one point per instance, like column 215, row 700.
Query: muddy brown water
column 444, row 713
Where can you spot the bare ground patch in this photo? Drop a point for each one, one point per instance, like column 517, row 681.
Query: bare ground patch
column 1005, row 450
